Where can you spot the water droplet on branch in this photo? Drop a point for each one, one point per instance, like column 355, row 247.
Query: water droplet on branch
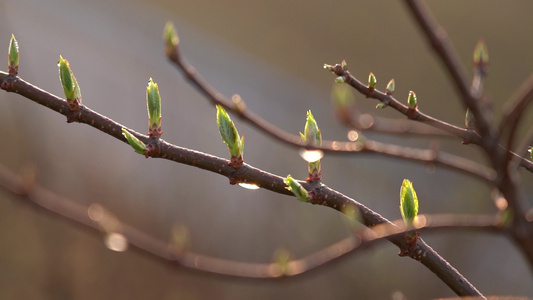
column 311, row 155
column 250, row 186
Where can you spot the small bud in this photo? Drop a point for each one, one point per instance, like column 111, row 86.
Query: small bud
column 353, row 215
column 311, row 133
column 282, row 258
column 339, row 79
column 408, row 202
column 238, row 103
column 230, row 136
column 411, row 100
column 171, row 39
column 179, row 239
column 381, row 105
column 297, row 189
column 507, row 217
column 328, row 67
column 13, row 56
column 343, row 100
column 372, row 81
column 344, row 65
column 153, row 104
column 134, row 142
column 469, row 120
column 312, row 136
column 390, row 87
column 70, row 85
column 342, row 97
column 530, row 150
column 481, row 54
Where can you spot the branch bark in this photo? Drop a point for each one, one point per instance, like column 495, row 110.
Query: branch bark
column 248, row 174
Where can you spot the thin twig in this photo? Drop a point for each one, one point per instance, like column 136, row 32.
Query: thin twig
column 514, row 109
column 165, row 251
column 369, row 122
column 400, row 127
column 508, row 183
column 246, row 173
column 367, row 146
column 468, row 136
column 349, row 116
column 437, row 38
column 523, row 146
column 387, row 99
column 183, row 155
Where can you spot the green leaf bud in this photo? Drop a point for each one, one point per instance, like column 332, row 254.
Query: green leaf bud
column 134, row 142
column 13, row 56
column 311, row 133
column 282, row 258
column 171, row 39
column 372, row 81
column 481, row 54
column 230, row 136
column 297, row 189
column 70, row 85
column 469, row 120
column 179, row 239
column 153, row 104
column 381, row 105
column 339, row 79
column 411, row 100
column 344, row 65
column 342, row 97
column 390, row 87
column 312, row 136
column 408, row 202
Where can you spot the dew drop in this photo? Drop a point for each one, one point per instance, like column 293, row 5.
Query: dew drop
column 249, row 186
column 311, row 155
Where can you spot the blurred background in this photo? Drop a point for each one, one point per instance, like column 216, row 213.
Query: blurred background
column 271, row 53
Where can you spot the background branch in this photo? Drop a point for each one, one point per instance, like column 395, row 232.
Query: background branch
column 514, row 109
column 468, row 136
column 499, row 158
column 368, row 122
column 438, row 40
column 207, row 162
column 247, row 174
column 32, row 194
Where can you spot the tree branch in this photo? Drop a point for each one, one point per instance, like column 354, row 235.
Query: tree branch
column 164, row 251
column 468, row 136
column 499, row 156
column 204, row 161
column 437, row 38
column 369, row 122
column 247, row 173
column 514, row 108
column 367, row 146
